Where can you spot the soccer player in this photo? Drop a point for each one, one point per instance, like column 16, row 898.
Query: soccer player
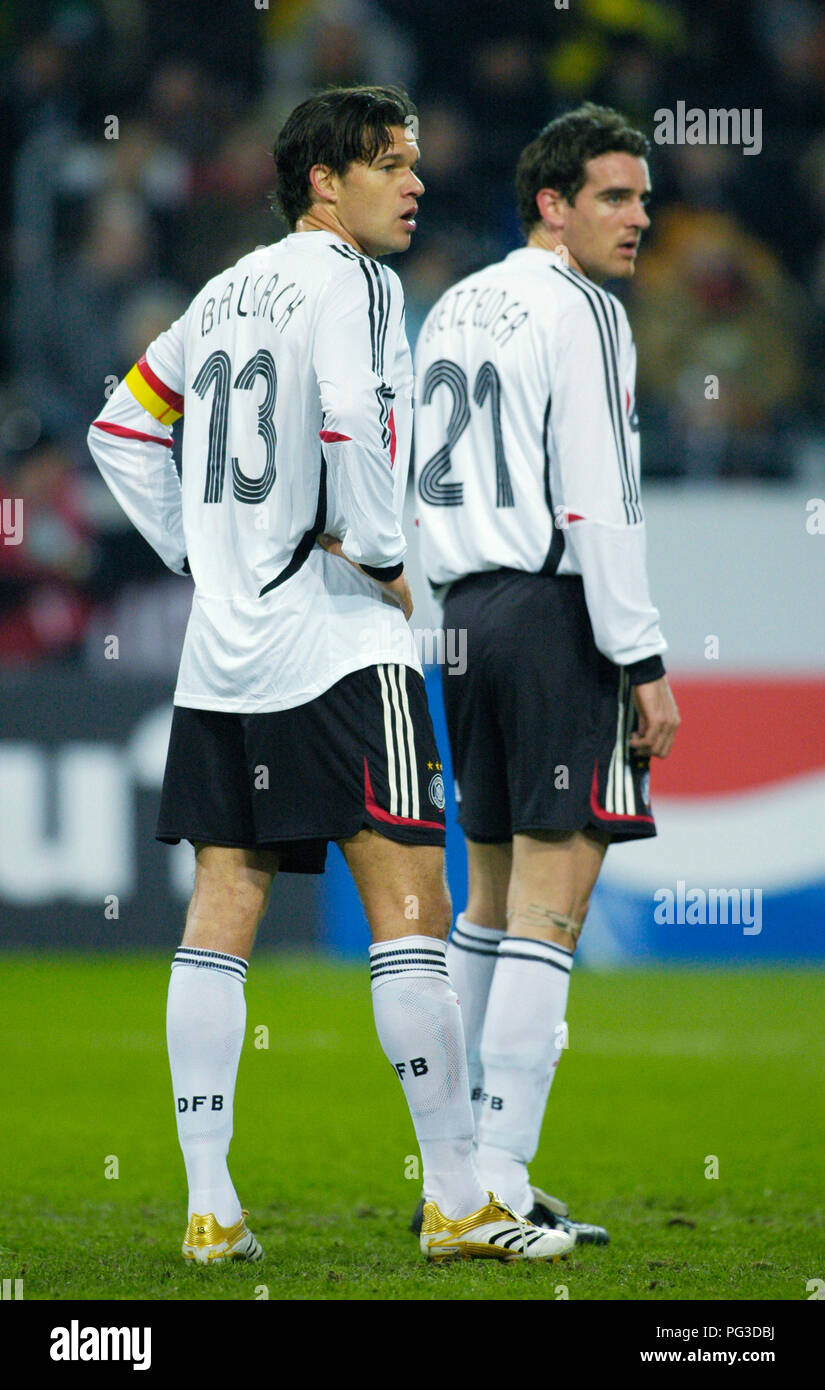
column 299, row 713
column 527, row 460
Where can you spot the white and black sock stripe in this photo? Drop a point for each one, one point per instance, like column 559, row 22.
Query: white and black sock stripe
column 234, row 966
column 480, row 941
column 412, row 955
column 543, row 952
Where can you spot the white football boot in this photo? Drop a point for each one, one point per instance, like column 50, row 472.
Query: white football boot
column 495, row 1232
column 206, row 1241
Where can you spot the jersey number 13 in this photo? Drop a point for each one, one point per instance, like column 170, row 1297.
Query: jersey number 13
column 217, row 371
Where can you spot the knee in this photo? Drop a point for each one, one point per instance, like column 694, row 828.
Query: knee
column 436, row 918
column 233, row 900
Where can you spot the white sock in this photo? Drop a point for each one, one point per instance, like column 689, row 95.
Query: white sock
column 471, row 960
column 521, row 1046
column 205, row 1024
column 419, row 1027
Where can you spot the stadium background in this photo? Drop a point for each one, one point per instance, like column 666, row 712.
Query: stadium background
column 109, row 229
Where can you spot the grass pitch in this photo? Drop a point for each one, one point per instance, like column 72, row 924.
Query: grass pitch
column 666, row 1072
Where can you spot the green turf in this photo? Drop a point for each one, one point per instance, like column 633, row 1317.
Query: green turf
column 663, row 1070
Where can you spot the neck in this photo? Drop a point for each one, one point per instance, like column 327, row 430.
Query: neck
column 546, row 240
column 319, row 219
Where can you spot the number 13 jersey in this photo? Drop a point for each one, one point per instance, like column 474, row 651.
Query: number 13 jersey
column 293, row 375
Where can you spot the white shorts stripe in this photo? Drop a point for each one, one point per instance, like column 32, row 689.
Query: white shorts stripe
column 620, row 806
column 388, row 735
column 410, row 744
column 403, row 769
column 618, row 773
column 629, row 793
column 613, row 776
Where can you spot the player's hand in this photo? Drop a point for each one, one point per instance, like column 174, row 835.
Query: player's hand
column 658, row 718
column 398, row 589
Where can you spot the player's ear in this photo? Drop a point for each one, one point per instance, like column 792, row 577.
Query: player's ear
column 322, row 183
column 550, row 208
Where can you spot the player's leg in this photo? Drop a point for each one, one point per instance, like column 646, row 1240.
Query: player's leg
column 590, row 791
column 419, row 1026
column 417, row 1016
column 479, row 759
column 205, row 1026
column 524, row 1030
column 473, row 946
column 525, row 723
column 206, row 799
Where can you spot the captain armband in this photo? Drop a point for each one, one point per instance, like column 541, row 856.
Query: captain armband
column 153, row 394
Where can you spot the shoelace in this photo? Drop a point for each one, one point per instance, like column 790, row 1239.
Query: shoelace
column 520, row 1222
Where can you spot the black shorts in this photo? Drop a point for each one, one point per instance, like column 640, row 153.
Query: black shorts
column 363, row 754
column 540, row 720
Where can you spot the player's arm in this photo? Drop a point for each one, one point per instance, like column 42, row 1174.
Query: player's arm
column 603, row 516
column 355, row 334
column 131, row 443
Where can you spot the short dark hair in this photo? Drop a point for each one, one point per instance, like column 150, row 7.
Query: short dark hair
column 335, row 127
column 557, row 156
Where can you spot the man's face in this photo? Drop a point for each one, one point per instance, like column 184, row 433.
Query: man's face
column 376, row 203
column 603, row 227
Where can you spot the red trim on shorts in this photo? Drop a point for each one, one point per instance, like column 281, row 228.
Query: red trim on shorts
column 330, row 437
column 125, row 433
column 610, row 815
column 378, row 814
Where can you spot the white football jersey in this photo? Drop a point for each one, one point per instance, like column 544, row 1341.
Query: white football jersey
column 294, row 378
column 527, row 443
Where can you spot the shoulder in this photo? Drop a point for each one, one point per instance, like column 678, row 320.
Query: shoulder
column 454, row 305
column 356, row 279
column 586, row 308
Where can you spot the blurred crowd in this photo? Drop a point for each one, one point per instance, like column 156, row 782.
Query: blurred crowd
column 137, row 139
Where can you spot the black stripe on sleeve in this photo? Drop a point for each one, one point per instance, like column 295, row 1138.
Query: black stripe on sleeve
column 618, row 435
column 602, row 304
column 382, row 344
column 554, row 554
column 373, row 326
column 378, row 289
column 386, row 575
column 634, row 494
column 351, row 255
column 650, row 668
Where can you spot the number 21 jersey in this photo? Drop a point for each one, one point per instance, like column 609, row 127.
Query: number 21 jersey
column 526, row 441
